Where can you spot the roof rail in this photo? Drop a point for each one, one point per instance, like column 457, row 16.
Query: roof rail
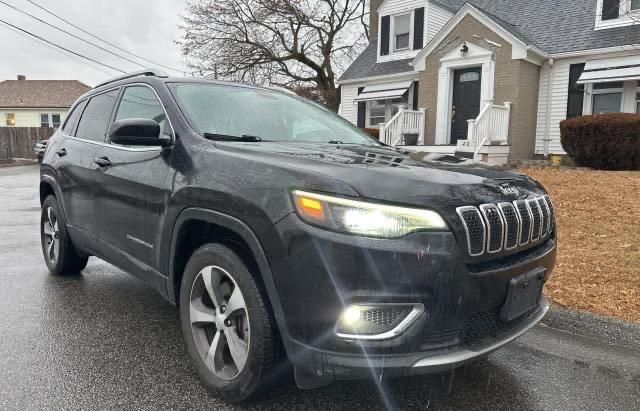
column 144, row 72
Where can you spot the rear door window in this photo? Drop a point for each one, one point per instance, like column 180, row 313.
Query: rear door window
column 95, row 118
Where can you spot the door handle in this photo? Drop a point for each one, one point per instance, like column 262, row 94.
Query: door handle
column 61, row 152
column 102, row 161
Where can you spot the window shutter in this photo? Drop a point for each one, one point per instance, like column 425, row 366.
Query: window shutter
column 610, row 9
column 385, row 31
column 418, row 28
column 415, row 95
column 576, row 91
column 362, row 110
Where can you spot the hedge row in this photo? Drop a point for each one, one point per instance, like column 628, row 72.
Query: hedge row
column 604, row 141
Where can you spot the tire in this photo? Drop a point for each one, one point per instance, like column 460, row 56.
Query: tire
column 61, row 257
column 203, row 322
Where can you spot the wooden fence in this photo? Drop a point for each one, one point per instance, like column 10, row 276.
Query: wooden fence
column 19, row 142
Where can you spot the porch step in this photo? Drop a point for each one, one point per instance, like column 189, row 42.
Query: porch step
column 464, row 154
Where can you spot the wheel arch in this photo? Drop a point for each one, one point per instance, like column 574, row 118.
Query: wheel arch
column 233, row 232
column 49, row 186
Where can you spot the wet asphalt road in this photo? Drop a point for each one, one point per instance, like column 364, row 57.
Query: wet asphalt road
column 106, row 340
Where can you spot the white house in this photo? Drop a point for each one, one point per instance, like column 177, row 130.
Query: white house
column 37, row 103
column 492, row 79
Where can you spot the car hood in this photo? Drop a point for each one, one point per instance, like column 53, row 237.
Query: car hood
column 396, row 175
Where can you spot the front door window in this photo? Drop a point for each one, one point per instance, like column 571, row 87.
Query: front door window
column 466, row 101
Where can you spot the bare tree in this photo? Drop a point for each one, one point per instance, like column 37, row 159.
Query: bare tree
column 298, row 44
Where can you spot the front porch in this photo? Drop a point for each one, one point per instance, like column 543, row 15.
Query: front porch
column 487, row 135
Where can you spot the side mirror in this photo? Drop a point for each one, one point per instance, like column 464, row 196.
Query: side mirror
column 137, row 132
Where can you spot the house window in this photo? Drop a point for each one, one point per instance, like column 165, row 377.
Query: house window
column 607, row 98
column 44, row 120
column 11, row 119
column 576, row 91
column 401, row 31
column 377, row 111
column 55, row 120
column 382, row 111
column 635, row 4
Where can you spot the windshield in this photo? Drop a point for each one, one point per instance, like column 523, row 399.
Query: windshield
column 233, row 111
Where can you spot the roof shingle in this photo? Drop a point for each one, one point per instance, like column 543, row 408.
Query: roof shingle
column 40, row 93
column 551, row 25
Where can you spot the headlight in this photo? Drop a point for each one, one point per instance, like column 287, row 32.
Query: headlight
column 363, row 218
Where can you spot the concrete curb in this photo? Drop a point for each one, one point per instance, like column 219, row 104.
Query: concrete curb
column 611, row 330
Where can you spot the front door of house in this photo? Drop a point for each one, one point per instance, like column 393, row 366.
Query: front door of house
column 466, row 101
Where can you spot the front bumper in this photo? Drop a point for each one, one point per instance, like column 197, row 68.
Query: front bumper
column 318, row 273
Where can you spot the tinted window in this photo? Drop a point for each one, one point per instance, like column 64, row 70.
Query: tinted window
column 72, row 118
column 141, row 102
column 95, row 118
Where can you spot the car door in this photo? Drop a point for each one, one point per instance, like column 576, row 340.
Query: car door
column 83, row 136
column 133, row 189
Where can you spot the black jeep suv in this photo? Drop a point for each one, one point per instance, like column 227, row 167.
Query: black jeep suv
column 282, row 232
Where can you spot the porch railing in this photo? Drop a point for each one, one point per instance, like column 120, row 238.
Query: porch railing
column 490, row 127
column 405, row 126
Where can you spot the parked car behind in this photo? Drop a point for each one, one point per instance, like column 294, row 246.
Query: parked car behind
column 284, row 233
column 39, row 149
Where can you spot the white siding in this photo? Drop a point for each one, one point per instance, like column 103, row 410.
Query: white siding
column 435, row 20
column 558, row 83
column 28, row 117
column 348, row 107
column 395, row 7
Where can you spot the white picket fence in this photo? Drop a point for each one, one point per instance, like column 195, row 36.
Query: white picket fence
column 404, row 123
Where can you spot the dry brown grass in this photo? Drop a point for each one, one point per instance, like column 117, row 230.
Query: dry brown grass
column 598, row 218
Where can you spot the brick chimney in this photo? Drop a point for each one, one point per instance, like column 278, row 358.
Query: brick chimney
column 373, row 18
column 22, row 77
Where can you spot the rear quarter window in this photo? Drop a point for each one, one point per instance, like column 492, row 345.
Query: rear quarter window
column 72, row 119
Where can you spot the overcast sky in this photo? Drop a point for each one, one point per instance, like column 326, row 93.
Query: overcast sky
column 147, row 28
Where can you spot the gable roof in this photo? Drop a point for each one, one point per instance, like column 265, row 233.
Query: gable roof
column 40, row 93
column 553, row 26
column 548, row 26
column 365, row 65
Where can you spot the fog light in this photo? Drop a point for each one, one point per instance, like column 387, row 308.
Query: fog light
column 376, row 321
column 351, row 315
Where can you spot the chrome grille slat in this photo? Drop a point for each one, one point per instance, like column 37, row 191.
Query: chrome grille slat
column 545, row 216
column 524, row 213
column 491, row 228
column 536, row 215
column 512, row 225
column 495, row 227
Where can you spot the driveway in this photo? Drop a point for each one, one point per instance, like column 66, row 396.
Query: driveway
column 106, row 340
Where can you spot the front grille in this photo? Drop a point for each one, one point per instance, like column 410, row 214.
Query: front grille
column 492, row 228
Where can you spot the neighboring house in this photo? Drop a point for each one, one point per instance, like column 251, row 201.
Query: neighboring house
column 37, row 103
column 492, row 79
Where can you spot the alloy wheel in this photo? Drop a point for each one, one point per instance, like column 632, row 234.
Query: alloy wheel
column 51, row 243
column 219, row 322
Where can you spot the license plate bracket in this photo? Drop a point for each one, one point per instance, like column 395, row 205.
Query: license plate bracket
column 523, row 295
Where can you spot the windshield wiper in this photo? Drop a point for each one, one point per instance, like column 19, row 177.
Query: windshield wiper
column 335, row 142
column 226, row 137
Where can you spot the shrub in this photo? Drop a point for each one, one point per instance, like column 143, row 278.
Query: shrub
column 604, row 141
column 373, row 132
